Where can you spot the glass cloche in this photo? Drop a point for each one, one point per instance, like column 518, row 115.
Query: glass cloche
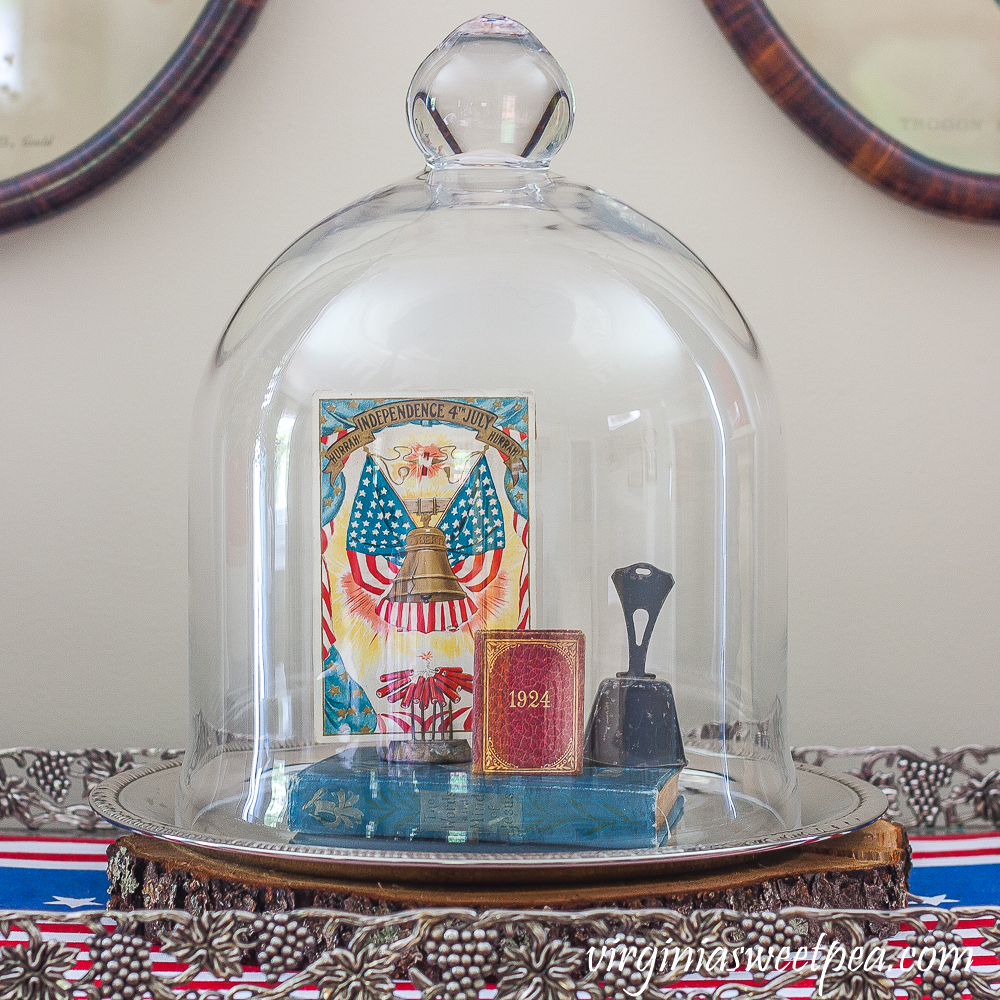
column 487, row 516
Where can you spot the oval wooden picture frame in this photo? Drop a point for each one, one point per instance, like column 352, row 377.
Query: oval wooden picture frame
column 864, row 148
column 173, row 93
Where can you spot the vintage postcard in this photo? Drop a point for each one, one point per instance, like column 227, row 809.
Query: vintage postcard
column 424, row 514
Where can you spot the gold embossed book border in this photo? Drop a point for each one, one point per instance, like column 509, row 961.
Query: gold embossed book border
column 528, row 702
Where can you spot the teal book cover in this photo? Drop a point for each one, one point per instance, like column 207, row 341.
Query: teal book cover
column 357, row 795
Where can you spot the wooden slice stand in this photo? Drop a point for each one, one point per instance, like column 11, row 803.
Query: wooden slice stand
column 868, row 869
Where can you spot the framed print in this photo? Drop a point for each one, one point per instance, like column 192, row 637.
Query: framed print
column 905, row 93
column 87, row 90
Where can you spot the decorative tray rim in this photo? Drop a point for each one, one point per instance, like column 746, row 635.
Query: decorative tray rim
column 871, row 803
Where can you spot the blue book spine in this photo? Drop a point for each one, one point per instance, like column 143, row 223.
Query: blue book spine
column 603, row 808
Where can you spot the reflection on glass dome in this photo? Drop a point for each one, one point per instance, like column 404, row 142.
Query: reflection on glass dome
column 488, row 515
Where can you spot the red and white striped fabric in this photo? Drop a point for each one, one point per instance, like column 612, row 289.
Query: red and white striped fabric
column 205, row 984
column 521, row 529
column 961, row 868
column 523, row 609
column 329, row 636
column 476, row 573
column 433, row 616
column 162, row 962
column 326, row 533
column 373, row 573
column 59, row 853
column 376, row 573
column 946, row 850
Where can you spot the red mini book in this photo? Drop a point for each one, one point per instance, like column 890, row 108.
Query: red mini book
column 528, row 702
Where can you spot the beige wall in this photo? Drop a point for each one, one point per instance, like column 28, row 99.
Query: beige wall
column 880, row 323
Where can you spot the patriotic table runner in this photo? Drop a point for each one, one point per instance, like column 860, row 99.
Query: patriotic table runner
column 960, row 869
column 38, row 873
column 57, row 873
column 69, row 876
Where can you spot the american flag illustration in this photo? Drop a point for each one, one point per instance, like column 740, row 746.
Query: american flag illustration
column 473, row 527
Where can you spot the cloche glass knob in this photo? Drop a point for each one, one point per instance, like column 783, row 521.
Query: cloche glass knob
column 490, row 93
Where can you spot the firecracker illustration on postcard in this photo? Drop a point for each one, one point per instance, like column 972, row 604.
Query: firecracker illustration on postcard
column 424, row 539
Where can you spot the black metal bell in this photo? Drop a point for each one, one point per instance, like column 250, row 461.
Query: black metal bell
column 634, row 720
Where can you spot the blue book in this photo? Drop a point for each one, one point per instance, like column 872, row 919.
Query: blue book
column 355, row 795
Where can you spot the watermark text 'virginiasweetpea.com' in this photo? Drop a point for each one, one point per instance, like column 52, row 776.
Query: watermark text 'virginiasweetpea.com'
column 823, row 961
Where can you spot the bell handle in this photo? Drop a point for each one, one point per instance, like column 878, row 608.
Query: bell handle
column 640, row 587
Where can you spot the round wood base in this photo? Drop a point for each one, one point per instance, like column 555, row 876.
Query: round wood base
column 865, row 870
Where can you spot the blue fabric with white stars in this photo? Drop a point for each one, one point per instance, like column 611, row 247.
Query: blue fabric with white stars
column 379, row 522
column 473, row 523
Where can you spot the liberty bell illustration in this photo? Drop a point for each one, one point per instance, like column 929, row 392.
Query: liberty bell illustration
column 426, row 574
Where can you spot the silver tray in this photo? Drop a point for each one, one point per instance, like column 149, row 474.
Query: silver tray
column 142, row 801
